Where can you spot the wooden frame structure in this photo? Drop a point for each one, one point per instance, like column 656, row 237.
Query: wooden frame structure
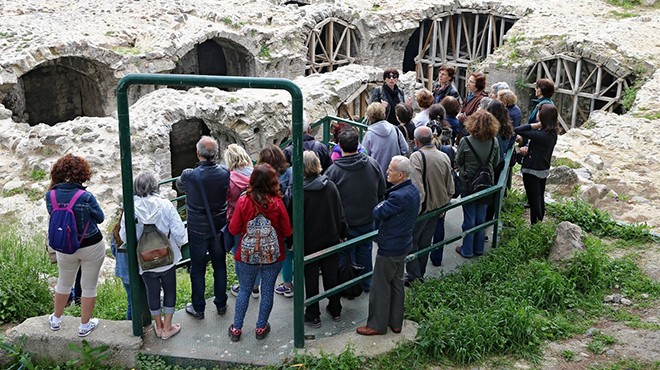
column 581, row 86
column 458, row 39
column 355, row 105
column 331, row 44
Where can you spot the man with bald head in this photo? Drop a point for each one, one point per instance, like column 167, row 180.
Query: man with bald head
column 432, row 176
column 206, row 187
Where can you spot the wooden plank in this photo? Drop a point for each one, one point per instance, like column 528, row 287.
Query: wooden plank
column 578, row 71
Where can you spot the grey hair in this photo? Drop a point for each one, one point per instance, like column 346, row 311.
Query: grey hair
column 499, row 86
column 483, row 104
column 306, row 126
column 237, row 157
column 402, row 164
column 207, row 147
column 145, row 184
column 424, row 135
column 311, row 163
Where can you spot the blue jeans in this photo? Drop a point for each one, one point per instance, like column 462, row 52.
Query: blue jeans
column 129, row 310
column 246, row 277
column 154, row 282
column 473, row 215
column 287, row 267
column 200, row 244
column 361, row 254
column 438, row 236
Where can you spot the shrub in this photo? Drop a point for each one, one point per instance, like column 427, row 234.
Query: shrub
column 24, row 268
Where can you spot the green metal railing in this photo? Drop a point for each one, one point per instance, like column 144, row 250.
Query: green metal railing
column 138, row 293
column 137, row 287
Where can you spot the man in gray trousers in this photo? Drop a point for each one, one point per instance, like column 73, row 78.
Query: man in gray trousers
column 396, row 219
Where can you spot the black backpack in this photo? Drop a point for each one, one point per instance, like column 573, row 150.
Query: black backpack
column 484, row 176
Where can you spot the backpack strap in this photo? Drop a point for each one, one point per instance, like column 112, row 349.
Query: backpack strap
column 207, row 207
column 481, row 163
column 426, row 193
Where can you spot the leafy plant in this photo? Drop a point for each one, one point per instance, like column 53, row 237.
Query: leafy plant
column 38, row 175
column 346, row 360
column 264, row 52
column 91, row 358
column 521, row 84
column 24, row 266
column 18, row 358
column 556, row 162
column 600, row 342
column 568, row 355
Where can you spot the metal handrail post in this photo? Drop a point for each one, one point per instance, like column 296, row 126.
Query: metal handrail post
column 137, row 288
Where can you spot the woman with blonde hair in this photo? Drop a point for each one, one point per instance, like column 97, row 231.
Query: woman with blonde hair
column 480, row 148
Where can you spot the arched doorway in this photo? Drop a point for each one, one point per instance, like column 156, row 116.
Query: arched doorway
column 581, row 86
column 183, row 138
column 58, row 90
column 216, row 57
column 456, row 39
column 331, row 44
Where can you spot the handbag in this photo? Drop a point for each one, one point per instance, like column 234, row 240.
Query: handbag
column 349, row 272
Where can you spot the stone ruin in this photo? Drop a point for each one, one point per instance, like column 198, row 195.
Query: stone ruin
column 61, row 61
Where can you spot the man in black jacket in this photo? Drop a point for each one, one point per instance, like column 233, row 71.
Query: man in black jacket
column 213, row 180
column 361, row 186
column 310, row 143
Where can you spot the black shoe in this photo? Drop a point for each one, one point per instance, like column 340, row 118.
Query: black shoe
column 260, row 333
column 526, row 205
column 314, row 323
column 335, row 318
column 191, row 311
column 222, row 310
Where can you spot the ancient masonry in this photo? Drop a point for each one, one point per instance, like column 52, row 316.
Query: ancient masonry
column 60, row 62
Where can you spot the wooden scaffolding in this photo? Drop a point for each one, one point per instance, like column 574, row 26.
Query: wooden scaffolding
column 458, row 39
column 581, row 86
column 331, row 44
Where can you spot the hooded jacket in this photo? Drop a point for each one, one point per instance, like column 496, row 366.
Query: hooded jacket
column 396, row 216
column 325, row 223
column 158, row 211
column 361, row 186
column 382, row 142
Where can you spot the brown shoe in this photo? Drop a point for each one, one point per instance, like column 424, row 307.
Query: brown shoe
column 395, row 330
column 365, row 330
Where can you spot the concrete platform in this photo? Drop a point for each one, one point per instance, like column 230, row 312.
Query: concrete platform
column 206, row 343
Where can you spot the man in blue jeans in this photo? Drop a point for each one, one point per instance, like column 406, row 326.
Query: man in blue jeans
column 213, row 180
column 361, row 186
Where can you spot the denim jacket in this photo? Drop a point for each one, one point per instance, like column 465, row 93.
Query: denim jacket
column 86, row 210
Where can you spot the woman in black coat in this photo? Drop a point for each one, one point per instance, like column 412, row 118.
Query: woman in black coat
column 536, row 162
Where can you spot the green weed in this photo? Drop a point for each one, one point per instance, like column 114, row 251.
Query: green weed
column 38, row 175
column 24, row 268
column 346, row 360
column 91, row 358
column 600, row 342
column 568, row 355
column 264, row 52
column 627, row 364
column 556, row 162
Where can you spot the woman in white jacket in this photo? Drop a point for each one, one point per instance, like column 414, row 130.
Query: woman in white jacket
column 151, row 208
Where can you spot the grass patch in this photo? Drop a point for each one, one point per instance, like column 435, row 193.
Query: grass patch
column 598, row 222
column 556, row 162
column 264, row 52
column 38, row 175
column 24, row 268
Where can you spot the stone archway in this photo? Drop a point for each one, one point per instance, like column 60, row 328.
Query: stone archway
column 581, row 86
column 456, row 39
column 59, row 90
column 216, row 57
column 183, row 137
column 331, row 44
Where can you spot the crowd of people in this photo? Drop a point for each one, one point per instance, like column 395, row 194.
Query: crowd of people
column 406, row 164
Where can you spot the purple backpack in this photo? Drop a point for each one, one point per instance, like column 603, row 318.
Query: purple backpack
column 62, row 229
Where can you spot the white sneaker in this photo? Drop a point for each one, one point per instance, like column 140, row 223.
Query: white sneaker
column 255, row 292
column 84, row 330
column 55, row 324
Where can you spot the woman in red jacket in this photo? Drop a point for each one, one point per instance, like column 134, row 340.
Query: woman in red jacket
column 263, row 197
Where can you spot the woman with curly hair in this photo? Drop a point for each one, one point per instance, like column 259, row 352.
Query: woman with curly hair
column 480, row 147
column 67, row 177
column 263, row 196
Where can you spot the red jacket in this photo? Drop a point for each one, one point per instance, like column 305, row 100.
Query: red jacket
column 275, row 212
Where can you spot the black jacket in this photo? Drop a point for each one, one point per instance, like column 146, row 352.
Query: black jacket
column 309, row 143
column 540, row 147
column 361, row 186
column 325, row 224
column 393, row 97
column 215, row 182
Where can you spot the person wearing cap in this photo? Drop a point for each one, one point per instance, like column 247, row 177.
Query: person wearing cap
column 444, row 85
column 389, row 94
